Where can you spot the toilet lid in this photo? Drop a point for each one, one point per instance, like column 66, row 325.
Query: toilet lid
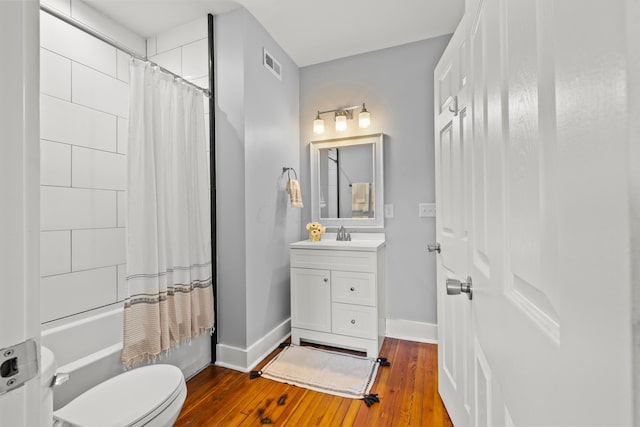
column 125, row 399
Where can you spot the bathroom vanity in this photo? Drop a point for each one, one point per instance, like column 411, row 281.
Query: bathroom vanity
column 338, row 292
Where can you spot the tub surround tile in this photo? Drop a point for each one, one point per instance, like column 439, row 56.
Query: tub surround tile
column 171, row 60
column 182, row 35
column 75, row 44
column 195, row 63
column 122, row 200
column 96, row 248
column 123, row 135
column 55, row 75
column 84, row 12
column 123, row 66
column 152, row 46
column 123, row 292
column 76, row 208
column 63, row 121
column 98, row 169
column 55, row 252
column 67, row 294
column 55, row 164
column 96, row 90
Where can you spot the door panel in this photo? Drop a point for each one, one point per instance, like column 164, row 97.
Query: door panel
column 311, row 299
column 538, row 168
column 478, row 202
column 455, row 379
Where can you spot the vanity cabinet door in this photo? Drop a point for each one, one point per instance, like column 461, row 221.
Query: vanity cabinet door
column 311, row 299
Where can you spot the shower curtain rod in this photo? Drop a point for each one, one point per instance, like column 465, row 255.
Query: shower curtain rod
column 79, row 25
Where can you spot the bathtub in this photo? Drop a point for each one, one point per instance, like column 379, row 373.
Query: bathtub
column 88, row 349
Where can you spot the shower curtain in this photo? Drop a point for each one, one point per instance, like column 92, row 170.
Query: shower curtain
column 168, row 222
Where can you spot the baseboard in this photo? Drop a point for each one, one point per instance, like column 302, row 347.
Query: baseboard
column 412, row 331
column 243, row 360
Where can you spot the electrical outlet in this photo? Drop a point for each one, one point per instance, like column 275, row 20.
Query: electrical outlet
column 427, row 210
column 388, row 210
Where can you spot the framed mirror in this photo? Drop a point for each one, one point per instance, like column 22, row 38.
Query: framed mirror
column 347, row 181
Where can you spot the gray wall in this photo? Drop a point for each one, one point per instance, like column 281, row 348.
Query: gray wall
column 257, row 134
column 397, row 86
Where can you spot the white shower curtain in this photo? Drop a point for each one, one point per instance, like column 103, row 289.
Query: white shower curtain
column 168, row 222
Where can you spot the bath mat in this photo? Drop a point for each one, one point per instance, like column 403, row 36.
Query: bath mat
column 325, row 371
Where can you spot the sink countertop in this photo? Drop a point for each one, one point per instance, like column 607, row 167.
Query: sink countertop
column 368, row 242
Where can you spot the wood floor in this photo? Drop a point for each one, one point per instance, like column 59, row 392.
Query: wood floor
column 407, row 389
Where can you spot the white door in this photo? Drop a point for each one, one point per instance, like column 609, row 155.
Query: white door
column 452, row 224
column 19, row 210
column 550, row 238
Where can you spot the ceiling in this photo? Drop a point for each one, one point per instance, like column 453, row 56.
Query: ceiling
column 309, row 31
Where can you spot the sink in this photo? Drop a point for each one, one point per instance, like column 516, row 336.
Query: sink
column 360, row 242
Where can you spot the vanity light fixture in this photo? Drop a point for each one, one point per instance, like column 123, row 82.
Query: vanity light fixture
column 341, row 116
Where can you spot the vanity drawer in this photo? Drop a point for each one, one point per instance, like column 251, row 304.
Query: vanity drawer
column 351, row 287
column 334, row 260
column 354, row 320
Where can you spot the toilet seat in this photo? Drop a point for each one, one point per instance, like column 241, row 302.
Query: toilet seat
column 131, row 399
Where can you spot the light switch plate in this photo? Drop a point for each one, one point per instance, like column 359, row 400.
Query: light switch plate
column 388, row 210
column 427, row 210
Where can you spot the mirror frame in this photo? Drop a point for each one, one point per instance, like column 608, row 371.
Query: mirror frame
column 377, row 140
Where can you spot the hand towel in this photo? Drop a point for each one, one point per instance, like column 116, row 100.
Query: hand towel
column 360, row 196
column 295, row 195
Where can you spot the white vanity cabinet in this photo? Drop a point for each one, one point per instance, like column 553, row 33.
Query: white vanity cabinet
column 338, row 294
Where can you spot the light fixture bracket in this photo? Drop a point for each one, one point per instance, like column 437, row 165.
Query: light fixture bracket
column 347, row 113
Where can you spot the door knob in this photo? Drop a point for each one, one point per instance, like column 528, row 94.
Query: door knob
column 434, row 248
column 454, row 287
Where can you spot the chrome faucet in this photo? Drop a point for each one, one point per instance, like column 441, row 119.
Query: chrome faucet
column 343, row 235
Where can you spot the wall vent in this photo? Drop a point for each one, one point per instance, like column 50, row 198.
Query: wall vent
column 271, row 64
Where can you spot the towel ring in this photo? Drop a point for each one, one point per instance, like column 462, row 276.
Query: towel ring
column 288, row 171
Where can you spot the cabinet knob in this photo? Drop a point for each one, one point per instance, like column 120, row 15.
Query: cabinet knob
column 353, row 321
column 326, row 280
column 353, row 289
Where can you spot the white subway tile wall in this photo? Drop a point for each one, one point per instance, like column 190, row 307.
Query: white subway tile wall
column 194, row 65
column 123, row 135
column 84, row 131
column 181, row 35
column 95, row 248
column 123, row 291
column 57, row 169
column 171, row 60
column 63, row 121
column 122, row 200
column 65, row 40
column 98, row 169
column 55, row 252
column 57, row 81
column 64, row 208
column 99, row 91
column 76, row 292
column 123, row 66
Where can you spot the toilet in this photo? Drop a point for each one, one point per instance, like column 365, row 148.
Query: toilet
column 150, row 396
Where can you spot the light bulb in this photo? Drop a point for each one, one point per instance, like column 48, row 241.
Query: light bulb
column 318, row 126
column 364, row 118
column 341, row 123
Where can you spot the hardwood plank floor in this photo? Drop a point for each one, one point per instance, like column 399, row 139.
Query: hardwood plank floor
column 408, row 391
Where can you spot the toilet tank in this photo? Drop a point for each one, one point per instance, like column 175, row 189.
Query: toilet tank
column 47, row 372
